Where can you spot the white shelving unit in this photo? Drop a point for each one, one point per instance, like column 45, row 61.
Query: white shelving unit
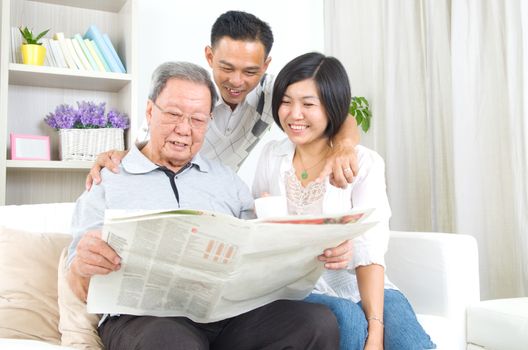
column 28, row 93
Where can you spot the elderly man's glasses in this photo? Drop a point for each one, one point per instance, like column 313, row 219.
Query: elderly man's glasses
column 197, row 121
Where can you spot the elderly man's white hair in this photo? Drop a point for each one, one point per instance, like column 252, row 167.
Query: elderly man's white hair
column 184, row 71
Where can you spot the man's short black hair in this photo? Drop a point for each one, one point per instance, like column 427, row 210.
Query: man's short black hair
column 240, row 25
column 331, row 80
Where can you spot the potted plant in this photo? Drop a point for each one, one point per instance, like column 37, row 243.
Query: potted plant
column 32, row 50
column 359, row 108
column 86, row 131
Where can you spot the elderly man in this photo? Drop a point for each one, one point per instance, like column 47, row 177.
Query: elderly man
column 167, row 173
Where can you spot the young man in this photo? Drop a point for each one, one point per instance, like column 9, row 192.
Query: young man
column 239, row 57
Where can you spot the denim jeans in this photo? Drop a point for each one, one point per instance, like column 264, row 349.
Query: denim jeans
column 402, row 330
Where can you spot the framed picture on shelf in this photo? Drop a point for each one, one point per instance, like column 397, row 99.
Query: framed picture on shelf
column 29, row 147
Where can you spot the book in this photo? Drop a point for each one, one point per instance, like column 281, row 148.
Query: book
column 65, row 51
column 73, row 54
column 94, row 34
column 114, row 53
column 81, row 54
column 57, row 53
column 103, row 66
column 86, row 52
column 49, row 60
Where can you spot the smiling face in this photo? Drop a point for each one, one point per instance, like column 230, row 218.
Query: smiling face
column 302, row 114
column 175, row 144
column 237, row 67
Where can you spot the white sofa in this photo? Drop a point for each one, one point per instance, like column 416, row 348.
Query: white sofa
column 438, row 272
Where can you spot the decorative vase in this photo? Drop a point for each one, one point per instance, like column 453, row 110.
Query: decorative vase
column 86, row 144
column 33, row 54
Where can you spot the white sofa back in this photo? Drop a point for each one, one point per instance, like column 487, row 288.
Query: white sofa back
column 49, row 217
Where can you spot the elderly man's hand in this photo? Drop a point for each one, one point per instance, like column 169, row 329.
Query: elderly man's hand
column 341, row 165
column 109, row 160
column 337, row 258
column 93, row 257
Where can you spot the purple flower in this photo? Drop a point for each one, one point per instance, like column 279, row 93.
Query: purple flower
column 117, row 120
column 88, row 115
column 64, row 117
column 92, row 115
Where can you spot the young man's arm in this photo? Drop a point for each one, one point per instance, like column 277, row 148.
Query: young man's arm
column 342, row 164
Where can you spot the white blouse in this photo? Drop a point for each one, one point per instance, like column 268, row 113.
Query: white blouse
column 367, row 191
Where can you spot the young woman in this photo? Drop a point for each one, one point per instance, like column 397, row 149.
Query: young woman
column 310, row 102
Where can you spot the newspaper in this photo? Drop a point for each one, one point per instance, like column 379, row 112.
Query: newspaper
column 208, row 266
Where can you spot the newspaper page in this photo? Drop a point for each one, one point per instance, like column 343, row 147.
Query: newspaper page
column 208, row 266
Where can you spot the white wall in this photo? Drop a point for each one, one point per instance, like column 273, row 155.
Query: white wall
column 169, row 30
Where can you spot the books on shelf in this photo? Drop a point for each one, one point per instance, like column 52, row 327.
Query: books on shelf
column 65, row 50
column 95, row 35
column 113, row 52
column 80, row 54
column 93, row 52
column 78, row 38
column 97, row 54
column 73, row 54
column 57, row 53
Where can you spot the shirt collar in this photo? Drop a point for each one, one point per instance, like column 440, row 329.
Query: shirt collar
column 135, row 162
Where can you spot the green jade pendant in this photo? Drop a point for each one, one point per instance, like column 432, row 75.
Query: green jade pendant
column 304, row 174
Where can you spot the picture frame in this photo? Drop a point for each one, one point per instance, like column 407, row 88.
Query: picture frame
column 29, row 147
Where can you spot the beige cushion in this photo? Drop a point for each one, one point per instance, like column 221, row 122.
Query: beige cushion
column 78, row 328
column 28, row 284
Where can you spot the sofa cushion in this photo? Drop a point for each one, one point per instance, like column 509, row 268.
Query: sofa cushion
column 77, row 327
column 28, row 284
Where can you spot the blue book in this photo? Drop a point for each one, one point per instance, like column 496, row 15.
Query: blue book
column 114, row 53
column 94, row 34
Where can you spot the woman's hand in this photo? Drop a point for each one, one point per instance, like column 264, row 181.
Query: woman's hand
column 337, row 258
column 109, row 160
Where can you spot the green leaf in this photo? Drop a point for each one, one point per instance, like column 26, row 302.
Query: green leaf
column 359, row 120
column 360, row 114
column 41, row 35
column 364, row 100
column 359, row 108
column 27, row 34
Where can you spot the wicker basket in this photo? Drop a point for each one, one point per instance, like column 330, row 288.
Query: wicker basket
column 86, row 144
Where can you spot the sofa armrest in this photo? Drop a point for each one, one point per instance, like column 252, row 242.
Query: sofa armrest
column 438, row 272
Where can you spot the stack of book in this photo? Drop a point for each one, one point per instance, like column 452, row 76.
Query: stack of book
column 92, row 52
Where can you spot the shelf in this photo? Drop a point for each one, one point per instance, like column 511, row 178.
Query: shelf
column 44, row 76
column 101, row 5
column 48, row 164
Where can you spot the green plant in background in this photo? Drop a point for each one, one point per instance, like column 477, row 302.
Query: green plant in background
column 29, row 38
column 359, row 108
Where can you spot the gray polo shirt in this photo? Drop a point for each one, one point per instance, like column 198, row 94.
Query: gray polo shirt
column 204, row 184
